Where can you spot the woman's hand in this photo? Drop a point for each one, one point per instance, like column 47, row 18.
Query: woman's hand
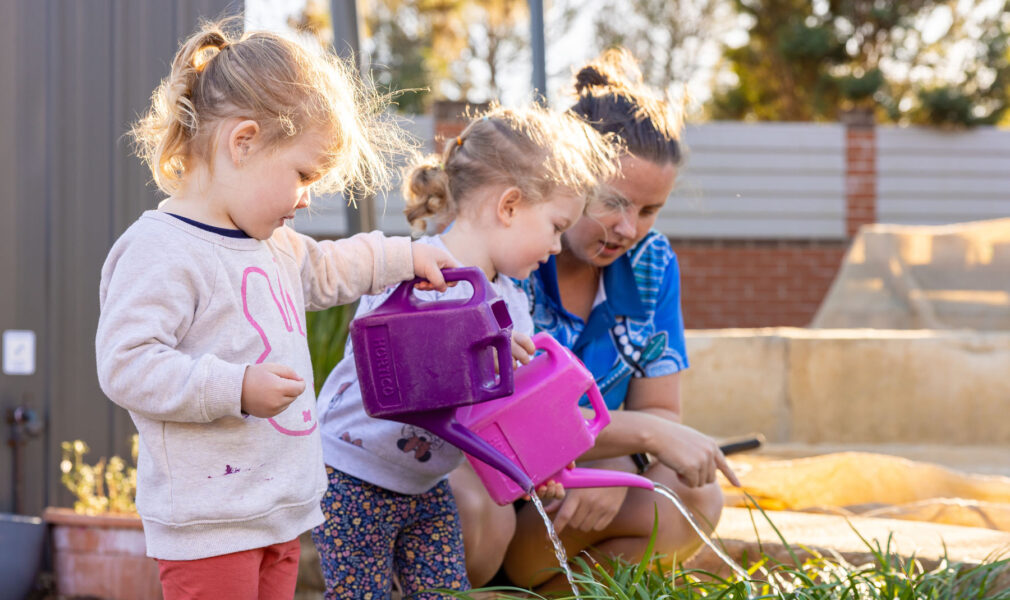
column 588, row 509
column 522, row 348
column 428, row 264
column 693, row 455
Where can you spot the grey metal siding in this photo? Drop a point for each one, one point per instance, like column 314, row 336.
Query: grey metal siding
column 933, row 177
column 76, row 75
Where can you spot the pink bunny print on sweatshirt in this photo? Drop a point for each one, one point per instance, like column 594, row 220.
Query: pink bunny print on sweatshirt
column 304, row 424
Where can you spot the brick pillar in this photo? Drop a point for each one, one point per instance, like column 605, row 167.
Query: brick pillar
column 860, row 170
column 451, row 119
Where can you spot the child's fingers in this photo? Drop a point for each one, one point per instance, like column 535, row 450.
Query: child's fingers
column 526, row 343
column 435, row 278
column 290, row 388
column 520, row 354
column 283, row 371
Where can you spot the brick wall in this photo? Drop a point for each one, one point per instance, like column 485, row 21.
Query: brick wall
column 779, row 283
column 754, row 283
column 451, row 119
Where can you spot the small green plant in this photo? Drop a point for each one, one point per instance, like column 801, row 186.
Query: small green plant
column 106, row 486
column 327, row 333
column 889, row 576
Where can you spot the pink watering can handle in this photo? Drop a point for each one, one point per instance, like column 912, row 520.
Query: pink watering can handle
column 555, row 350
column 602, row 418
column 404, row 293
column 589, row 478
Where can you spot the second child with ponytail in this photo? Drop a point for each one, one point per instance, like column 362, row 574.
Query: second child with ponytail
column 510, row 184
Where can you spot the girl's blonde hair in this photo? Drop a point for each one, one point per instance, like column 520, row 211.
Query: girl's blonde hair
column 220, row 73
column 530, row 148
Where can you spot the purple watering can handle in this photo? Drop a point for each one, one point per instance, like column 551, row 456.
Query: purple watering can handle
column 545, row 342
column 588, row 478
column 506, row 380
column 404, row 293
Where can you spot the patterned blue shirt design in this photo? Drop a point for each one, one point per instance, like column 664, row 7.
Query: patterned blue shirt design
column 637, row 330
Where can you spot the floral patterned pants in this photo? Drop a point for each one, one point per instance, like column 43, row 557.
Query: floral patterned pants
column 370, row 533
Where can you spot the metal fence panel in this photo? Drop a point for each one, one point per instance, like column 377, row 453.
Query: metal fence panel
column 82, row 72
column 932, row 177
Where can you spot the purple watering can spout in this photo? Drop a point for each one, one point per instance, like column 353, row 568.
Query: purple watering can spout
column 444, row 424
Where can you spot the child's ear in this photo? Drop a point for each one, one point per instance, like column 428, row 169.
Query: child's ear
column 508, row 203
column 242, row 140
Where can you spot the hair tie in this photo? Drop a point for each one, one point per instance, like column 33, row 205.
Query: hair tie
column 459, row 141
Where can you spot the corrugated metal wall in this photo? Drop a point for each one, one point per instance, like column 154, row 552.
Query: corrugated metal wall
column 760, row 181
column 932, row 177
column 786, row 181
column 75, row 75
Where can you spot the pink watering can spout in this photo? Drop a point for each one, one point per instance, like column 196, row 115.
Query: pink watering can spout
column 541, row 428
column 580, row 477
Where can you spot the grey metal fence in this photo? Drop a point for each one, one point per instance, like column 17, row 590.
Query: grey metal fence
column 73, row 75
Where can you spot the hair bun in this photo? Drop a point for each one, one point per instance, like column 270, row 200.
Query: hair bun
column 426, row 193
column 589, row 77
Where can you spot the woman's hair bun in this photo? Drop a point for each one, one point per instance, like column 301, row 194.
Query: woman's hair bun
column 589, row 77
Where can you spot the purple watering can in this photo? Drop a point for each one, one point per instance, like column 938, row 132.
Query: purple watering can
column 541, row 428
column 418, row 360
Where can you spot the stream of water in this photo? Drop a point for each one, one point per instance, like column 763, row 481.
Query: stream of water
column 559, row 549
column 672, row 496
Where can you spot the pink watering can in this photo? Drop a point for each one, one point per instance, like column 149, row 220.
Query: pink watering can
column 541, row 428
column 418, row 360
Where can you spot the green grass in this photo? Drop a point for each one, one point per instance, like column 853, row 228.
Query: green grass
column 889, row 576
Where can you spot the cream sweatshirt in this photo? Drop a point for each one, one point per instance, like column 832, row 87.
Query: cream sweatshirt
column 184, row 311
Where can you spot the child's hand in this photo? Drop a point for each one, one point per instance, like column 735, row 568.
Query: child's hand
column 522, row 348
column 428, row 263
column 552, row 490
column 268, row 388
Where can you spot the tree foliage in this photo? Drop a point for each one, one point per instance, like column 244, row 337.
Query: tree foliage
column 442, row 48
column 667, row 36
column 941, row 62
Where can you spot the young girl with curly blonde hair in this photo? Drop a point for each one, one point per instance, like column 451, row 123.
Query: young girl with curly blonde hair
column 201, row 334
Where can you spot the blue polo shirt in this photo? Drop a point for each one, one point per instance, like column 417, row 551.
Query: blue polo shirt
column 635, row 329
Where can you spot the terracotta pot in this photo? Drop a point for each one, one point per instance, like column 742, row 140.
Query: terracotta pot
column 101, row 556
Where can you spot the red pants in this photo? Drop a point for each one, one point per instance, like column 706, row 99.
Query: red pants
column 268, row 573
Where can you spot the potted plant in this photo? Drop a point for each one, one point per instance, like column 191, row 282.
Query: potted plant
column 19, row 569
column 98, row 546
